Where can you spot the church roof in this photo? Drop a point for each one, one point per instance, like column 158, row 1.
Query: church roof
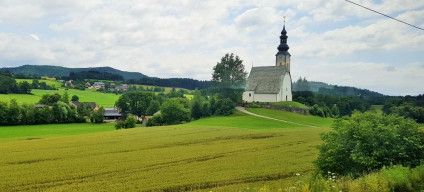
column 264, row 80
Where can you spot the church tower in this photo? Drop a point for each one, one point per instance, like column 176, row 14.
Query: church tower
column 283, row 56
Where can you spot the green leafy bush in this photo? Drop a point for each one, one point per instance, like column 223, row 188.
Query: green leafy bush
column 254, row 105
column 366, row 142
column 129, row 122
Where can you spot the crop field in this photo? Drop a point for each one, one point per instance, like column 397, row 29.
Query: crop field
column 200, row 155
column 32, row 132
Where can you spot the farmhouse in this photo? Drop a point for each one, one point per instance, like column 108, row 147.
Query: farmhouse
column 98, row 85
column 271, row 83
column 112, row 113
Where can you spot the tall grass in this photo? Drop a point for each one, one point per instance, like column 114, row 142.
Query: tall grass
column 395, row 178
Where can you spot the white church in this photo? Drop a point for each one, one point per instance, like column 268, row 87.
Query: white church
column 271, row 83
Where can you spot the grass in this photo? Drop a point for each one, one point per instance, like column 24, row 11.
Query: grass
column 42, row 131
column 237, row 153
column 290, row 104
column 240, row 120
column 88, row 95
column 48, row 82
column 293, row 117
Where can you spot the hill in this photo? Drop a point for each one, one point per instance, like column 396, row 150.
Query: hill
column 54, row 71
column 334, row 90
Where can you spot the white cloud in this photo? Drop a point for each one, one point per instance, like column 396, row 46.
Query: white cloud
column 186, row 38
column 35, row 37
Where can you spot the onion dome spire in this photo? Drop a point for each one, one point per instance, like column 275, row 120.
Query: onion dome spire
column 283, row 47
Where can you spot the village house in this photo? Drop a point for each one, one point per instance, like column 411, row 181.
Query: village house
column 112, row 113
column 98, row 85
column 123, row 87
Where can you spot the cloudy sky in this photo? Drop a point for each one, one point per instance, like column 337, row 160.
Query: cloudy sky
column 331, row 41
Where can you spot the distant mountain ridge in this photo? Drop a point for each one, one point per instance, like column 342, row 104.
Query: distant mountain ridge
column 334, row 90
column 54, row 71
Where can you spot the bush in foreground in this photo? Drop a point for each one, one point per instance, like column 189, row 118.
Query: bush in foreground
column 366, row 142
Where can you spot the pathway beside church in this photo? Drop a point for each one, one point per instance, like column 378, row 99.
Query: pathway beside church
column 242, row 109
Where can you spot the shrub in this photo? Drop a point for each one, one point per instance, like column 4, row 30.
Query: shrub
column 225, row 107
column 254, row 105
column 129, row 122
column 366, row 142
column 155, row 121
column 97, row 116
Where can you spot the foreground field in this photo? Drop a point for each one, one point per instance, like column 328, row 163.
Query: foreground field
column 196, row 156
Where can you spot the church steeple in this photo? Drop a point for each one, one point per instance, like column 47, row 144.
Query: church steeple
column 283, row 56
column 283, row 47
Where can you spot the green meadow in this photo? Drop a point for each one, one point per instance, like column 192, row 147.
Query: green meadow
column 290, row 104
column 235, row 153
column 48, row 82
column 293, row 117
column 88, row 95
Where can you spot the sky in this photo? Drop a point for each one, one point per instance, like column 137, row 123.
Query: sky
column 331, row 41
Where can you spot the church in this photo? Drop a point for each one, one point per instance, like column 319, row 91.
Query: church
column 271, row 83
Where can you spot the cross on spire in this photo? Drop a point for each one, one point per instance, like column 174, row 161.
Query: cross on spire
column 284, row 18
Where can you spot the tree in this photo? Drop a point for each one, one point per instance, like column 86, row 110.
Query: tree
column 229, row 77
column 225, row 107
column 173, row 112
column 301, row 85
column 153, row 107
column 49, row 99
column 74, row 98
column 14, row 113
column 367, row 141
column 97, row 116
column 65, row 97
column 35, row 84
column 196, row 105
column 196, row 110
column 4, row 115
column 135, row 103
column 25, row 87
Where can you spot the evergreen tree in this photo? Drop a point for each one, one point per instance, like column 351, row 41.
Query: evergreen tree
column 65, row 97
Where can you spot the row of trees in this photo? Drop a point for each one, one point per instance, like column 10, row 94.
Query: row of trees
column 54, row 111
column 171, row 82
column 174, row 107
column 331, row 106
column 9, row 85
column 81, row 76
column 408, row 106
